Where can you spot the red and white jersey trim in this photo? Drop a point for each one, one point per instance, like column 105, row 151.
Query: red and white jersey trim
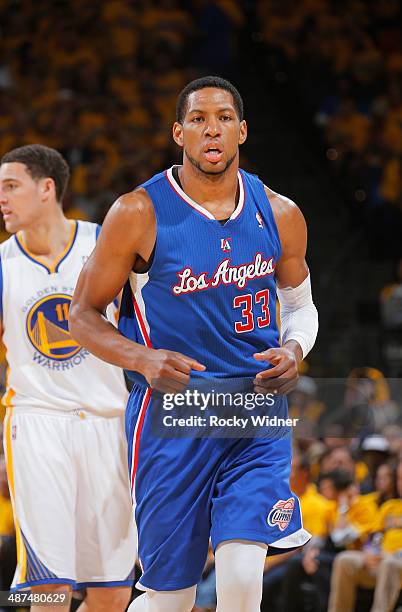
column 136, row 439
column 137, row 283
column 176, row 187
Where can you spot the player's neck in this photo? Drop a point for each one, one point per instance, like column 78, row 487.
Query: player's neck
column 205, row 189
column 49, row 236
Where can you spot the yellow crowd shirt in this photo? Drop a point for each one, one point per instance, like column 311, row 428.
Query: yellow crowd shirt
column 389, row 520
column 6, row 517
column 361, row 515
column 316, row 511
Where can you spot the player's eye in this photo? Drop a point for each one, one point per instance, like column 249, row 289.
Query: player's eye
column 226, row 117
column 197, row 119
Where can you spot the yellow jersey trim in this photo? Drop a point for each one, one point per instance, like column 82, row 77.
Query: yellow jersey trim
column 51, row 269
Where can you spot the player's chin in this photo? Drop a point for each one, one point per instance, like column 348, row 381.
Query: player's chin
column 214, row 167
column 12, row 227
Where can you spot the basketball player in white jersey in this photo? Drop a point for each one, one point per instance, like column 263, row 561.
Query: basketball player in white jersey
column 63, row 433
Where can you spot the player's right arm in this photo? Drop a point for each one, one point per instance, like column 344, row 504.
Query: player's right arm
column 127, row 237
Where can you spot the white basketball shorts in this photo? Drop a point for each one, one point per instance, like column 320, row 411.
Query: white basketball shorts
column 70, row 492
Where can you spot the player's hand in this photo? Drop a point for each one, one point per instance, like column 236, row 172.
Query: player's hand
column 283, row 377
column 168, row 371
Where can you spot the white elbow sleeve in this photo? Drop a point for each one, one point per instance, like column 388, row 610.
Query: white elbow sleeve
column 299, row 317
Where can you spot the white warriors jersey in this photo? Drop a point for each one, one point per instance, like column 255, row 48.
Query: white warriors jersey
column 47, row 368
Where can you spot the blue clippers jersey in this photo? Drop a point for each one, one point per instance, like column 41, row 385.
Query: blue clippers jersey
column 210, row 292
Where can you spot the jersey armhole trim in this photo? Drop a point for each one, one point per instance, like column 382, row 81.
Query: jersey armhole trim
column 274, row 224
column 156, row 248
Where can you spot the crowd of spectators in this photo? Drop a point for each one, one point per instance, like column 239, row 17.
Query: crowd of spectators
column 344, row 59
column 80, row 78
column 391, row 322
column 98, row 81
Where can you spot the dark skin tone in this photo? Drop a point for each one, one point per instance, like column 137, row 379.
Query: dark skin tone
column 210, row 136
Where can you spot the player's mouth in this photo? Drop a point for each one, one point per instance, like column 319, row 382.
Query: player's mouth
column 6, row 213
column 213, row 153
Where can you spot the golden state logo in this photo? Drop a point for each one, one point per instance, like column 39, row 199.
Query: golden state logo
column 281, row 513
column 47, row 327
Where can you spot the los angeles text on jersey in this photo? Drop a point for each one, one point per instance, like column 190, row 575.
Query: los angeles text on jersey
column 225, row 274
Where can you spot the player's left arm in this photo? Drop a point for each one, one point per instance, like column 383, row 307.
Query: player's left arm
column 298, row 314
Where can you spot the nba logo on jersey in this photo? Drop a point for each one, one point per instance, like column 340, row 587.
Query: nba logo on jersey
column 259, row 219
column 14, row 432
column 281, row 513
column 225, row 244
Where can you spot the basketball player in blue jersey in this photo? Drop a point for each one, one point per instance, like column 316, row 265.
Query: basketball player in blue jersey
column 200, row 250
column 64, row 434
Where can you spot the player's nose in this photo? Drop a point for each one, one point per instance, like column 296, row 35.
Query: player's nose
column 212, row 127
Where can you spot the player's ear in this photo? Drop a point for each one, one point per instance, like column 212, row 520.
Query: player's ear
column 47, row 188
column 178, row 133
column 243, row 132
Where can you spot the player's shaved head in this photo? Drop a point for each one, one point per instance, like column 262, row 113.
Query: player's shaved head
column 209, row 81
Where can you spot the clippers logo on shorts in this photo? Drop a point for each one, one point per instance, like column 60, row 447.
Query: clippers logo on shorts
column 47, row 327
column 281, row 513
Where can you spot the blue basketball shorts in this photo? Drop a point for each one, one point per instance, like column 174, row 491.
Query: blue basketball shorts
column 188, row 490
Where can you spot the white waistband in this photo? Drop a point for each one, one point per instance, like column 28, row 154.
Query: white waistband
column 73, row 413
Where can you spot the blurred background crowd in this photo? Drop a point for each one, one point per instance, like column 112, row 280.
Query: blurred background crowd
column 322, row 86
